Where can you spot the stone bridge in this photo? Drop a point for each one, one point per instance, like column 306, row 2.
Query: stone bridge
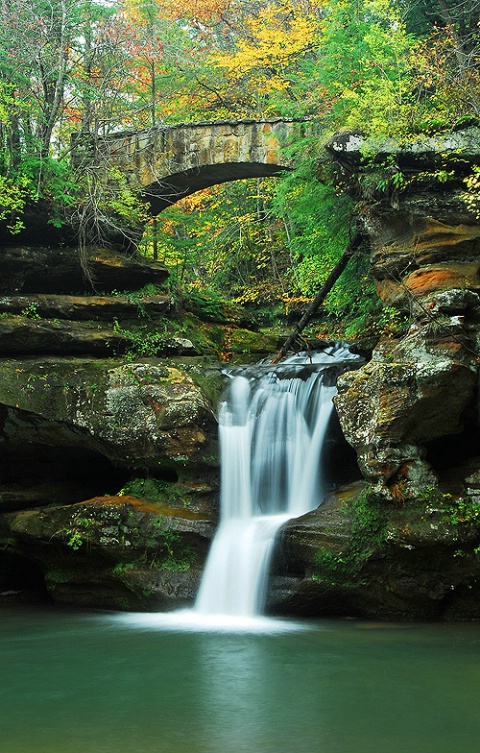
column 167, row 163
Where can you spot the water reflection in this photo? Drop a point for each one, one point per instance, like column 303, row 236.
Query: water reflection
column 73, row 683
column 251, row 695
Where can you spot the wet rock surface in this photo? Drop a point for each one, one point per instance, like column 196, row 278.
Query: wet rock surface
column 422, row 381
column 138, row 415
column 405, row 544
column 357, row 557
column 114, row 552
column 98, row 396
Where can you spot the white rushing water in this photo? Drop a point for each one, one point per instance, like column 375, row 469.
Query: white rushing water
column 272, row 430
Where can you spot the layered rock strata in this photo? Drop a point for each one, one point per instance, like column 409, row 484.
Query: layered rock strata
column 406, row 543
column 421, row 384
column 108, row 480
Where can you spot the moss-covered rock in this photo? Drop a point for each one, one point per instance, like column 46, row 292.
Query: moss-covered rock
column 141, row 415
column 240, row 341
column 113, row 552
column 356, row 556
column 389, row 410
column 130, row 306
column 421, row 384
column 43, row 269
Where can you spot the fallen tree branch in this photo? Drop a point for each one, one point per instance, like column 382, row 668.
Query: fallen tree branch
column 352, row 247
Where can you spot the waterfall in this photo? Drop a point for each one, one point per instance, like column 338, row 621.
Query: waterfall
column 272, row 423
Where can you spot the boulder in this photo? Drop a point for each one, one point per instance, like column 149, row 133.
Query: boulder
column 138, row 415
column 390, row 410
column 113, row 552
column 357, row 557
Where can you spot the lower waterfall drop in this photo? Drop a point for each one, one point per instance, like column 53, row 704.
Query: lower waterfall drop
column 272, row 431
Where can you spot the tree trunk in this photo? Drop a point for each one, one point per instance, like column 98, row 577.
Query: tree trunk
column 332, row 278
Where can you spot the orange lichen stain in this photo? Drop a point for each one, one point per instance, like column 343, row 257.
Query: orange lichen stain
column 403, row 470
column 155, row 405
column 143, row 506
column 450, row 345
column 119, row 501
column 424, row 281
column 397, row 492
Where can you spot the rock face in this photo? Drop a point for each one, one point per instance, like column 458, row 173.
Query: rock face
column 30, row 269
column 139, row 415
column 406, row 544
column 109, row 473
column 357, row 556
column 108, row 482
column 421, row 384
column 114, row 552
column 108, row 489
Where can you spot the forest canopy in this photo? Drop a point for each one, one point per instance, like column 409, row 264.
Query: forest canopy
column 73, row 70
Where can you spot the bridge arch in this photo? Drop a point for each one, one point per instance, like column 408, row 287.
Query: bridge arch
column 163, row 194
column 167, row 163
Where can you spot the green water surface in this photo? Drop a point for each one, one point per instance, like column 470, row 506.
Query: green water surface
column 88, row 683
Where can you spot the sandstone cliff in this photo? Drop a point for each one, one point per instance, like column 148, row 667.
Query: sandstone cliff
column 406, row 543
column 109, row 479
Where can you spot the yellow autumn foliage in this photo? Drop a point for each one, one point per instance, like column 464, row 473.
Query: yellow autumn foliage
column 264, row 56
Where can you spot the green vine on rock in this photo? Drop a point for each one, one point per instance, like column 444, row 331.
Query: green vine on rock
column 175, row 556
column 79, row 532
column 368, row 535
column 144, row 342
column 455, row 510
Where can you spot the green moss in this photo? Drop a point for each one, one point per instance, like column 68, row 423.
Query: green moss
column 206, row 337
column 122, row 567
column 159, row 492
column 173, row 554
column 143, row 341
column 207, row 305
column 368, row 536
column 244, row 341
column 454, row 510
column 210, row 381
column 57, row 576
